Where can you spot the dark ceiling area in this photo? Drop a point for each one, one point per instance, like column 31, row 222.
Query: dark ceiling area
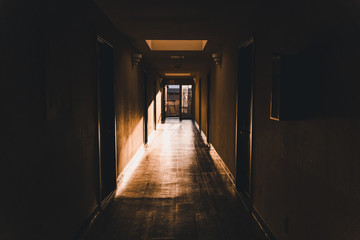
column 182, row 20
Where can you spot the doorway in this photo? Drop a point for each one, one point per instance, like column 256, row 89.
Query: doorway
column 244, row 119
column 186, row 101
column 106, row 120
column 145, row 79
column 172, row 100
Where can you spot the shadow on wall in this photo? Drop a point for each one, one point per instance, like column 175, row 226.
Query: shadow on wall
column 312, row 83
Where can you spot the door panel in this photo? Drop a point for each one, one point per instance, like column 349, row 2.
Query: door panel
column 106, row 119
column 244, row 119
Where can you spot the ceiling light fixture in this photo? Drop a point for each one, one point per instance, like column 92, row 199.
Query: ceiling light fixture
column 177, row 74
column 176, row 45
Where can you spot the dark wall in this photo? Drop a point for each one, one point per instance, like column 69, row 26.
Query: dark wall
column 48, row 73
column 306, row 173
column 304, row 169
column 129, row 92
column 48, row 99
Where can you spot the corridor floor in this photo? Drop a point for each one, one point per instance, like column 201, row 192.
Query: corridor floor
column 175, row 191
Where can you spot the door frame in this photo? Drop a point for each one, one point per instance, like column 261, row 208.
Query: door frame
column 192, row 101
column 164, row 102
column 251, row 41
column 180, row 82
column 101, row 202
column 180, row 102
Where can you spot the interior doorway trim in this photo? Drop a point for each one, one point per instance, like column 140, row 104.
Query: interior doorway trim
column 103, row 198
column 246, row 199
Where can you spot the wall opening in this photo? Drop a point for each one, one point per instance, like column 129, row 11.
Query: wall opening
column 172, row 100
column 106, row 120
column 244, row 119
column 186, row 101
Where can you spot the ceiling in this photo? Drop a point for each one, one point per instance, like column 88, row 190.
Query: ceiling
column 181, row 20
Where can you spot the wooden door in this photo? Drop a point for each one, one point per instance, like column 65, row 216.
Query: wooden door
column 244, row 119
column 107, row 162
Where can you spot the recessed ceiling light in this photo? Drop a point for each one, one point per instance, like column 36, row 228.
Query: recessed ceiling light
column 176, row 45
column 177, row 74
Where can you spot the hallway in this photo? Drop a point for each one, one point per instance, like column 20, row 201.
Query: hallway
column 175, row 191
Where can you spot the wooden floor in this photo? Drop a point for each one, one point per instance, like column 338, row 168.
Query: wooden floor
column 175, row 191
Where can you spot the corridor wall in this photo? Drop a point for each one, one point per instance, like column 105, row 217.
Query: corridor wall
column 48, row 101
column 305, row 184
column 48, row 71
column 129, row 92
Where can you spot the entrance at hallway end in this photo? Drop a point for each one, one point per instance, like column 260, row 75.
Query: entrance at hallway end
column 178, row 100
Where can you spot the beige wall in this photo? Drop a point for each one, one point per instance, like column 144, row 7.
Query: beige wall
column 158, row 100
column 223, row 108
column 129, row 93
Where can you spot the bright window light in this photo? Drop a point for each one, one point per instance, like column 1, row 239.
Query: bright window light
column 176, row 45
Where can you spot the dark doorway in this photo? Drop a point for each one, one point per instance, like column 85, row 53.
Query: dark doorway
column 244, row 119
column 106, row 119
column 172, row 100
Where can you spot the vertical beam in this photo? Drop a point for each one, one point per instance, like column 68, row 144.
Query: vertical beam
column 163, row 114
column 193, row 101
column 145, row 108
column 155, row 103
column 180, row 105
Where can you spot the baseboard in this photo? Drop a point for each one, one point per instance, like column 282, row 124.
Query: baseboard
column 215, row 156
column 262, row 224
column 89, row 221
column 86, row 225
column 132, row 163
column 202, row 134
column 151, row 136
column 197, row 125
column 257, row 217
column 204, row 138
column 107, row 200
